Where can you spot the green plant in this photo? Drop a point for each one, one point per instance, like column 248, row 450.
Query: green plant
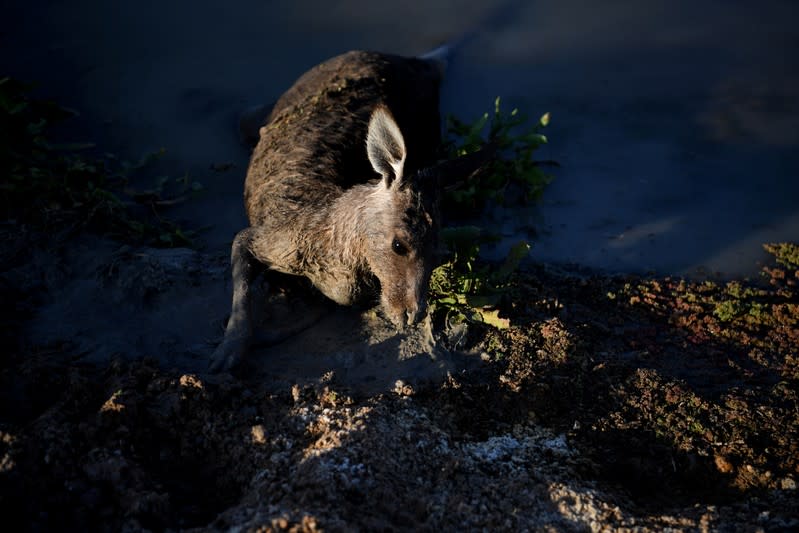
column 785, row 253
column 515, row 167
column 464, row 288
column 65, row 188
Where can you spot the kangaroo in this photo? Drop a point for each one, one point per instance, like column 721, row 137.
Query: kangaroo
column 343, row 187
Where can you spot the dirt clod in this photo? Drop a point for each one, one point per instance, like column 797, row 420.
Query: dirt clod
column 632, row 404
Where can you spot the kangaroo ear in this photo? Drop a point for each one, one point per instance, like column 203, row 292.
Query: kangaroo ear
column 385, row 146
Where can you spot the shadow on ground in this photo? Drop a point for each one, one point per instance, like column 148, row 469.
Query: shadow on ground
column 612, row 402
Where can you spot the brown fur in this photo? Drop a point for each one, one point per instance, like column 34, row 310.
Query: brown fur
column 356, row 216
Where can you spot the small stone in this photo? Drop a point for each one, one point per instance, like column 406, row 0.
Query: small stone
column 258, row 433
column 723, row 464
column 787, row 483
column 190, row 380
column 402, row 389
column 295, row 393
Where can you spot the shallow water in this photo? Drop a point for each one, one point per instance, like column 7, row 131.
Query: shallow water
column 676, row 123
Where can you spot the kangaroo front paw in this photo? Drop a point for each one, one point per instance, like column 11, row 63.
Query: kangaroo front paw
column 228, row 354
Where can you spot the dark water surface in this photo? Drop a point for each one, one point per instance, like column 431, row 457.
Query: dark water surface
column 676, row 123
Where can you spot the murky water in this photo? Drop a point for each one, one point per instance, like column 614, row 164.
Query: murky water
column 676, row 123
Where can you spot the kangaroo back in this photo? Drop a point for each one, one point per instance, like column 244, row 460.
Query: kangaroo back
column 314, row 136
column 342, row 188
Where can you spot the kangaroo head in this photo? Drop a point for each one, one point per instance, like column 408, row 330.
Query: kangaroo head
column 402, row 235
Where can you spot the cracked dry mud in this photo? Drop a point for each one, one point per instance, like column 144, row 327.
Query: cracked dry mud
column 614, row 403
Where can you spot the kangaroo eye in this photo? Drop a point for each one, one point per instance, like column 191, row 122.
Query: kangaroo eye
column 398, row 247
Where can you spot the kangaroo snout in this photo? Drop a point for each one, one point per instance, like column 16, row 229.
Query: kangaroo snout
column 406, row 316
column 405, row 306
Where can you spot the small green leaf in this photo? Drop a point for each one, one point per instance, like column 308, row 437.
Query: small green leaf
column 535, row 138
column 491, row 317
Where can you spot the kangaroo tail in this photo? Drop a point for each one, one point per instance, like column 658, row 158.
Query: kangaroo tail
column 442, row 55
column 495, row 17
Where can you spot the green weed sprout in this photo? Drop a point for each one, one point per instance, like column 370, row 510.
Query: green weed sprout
column 463, row 288
column 516, row 166
column 62, row 188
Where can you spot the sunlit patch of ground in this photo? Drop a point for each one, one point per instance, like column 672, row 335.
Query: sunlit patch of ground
column 609, row 402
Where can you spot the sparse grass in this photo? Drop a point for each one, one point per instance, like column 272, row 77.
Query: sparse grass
column 785, row 253
column 64, row 188
column 762, row 318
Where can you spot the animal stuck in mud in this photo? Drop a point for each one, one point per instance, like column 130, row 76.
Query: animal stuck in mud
column 343, row 188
